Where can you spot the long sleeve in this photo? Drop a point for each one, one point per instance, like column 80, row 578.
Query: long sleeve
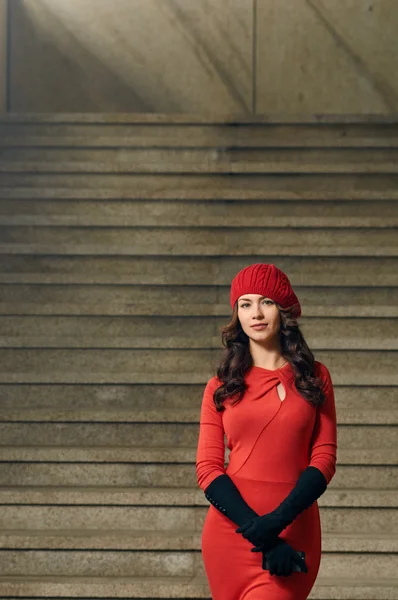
column 210, row 455
column 323, row 453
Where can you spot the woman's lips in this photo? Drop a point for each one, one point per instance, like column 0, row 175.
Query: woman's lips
column 259, row 326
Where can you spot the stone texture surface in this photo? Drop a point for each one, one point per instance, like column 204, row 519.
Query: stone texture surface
column 181, row 332
column 325, row 588
column 3, row 55
column 149, row 402
column 193, row 365
column 260, row 131
column 303, row 241
column 103, row 526
column 97, row 443
column 326, row 56
column 165, row 474
column 149, row 213
column 91, row 563
column 170, row 56
column 114, row 496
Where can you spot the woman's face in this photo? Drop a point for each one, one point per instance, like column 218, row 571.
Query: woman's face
column 254, row 309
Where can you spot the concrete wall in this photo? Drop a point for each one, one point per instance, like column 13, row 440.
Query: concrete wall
column 205, row 56
column 327, row 56
column 3, row 55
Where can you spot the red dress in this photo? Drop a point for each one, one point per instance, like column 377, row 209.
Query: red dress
column 271, row 441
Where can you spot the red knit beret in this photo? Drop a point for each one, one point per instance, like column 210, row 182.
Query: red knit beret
column 266, row 280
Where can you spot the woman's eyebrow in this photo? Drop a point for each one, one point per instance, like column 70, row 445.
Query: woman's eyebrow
column 261, row 297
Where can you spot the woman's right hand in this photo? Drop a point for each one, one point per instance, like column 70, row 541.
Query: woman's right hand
column 281, row 559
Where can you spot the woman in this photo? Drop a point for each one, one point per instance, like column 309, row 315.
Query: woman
column 275, row 405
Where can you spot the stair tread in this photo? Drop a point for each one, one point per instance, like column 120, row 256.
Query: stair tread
column 178, row 167
column 178, row 496
column 215, row 194
column 363, row 582
column 182, row 540
column 202, row 310
column 299, row 250
column 325, row 588
column 81, row 533
column 183, row 455
column 207, row 119
column 167, row 414
column 162, row 454
column 178, row 138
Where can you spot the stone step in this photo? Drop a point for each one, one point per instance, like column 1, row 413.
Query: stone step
column 172, row 474
column 215, row 189
column 161, row 403
column 207, row 161
column 200, row 241
column 181, row 332
column 183, row 454
column 106, row 137
column 275, row 135
column 350, row 271
column 263, row 120
column 185, row 497
column 164, row 588
column 155, row 365
column 142, row 558
column 151, row 213
column 356, row 416
column 104, row 308
column 160, row 434
column 187, row 301
column 339, row 519
column 84, row 559
column 177, row 539
column 175, row 186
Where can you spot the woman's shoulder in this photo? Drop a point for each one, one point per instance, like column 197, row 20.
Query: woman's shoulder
column 213, row 383
column 321, row 371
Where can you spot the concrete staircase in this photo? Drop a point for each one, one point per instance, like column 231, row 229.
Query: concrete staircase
column 120, row 235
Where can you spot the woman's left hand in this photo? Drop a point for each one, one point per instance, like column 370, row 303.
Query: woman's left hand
column 261, row 530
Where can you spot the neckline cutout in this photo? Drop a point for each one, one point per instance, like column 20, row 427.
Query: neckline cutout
column 271, row 370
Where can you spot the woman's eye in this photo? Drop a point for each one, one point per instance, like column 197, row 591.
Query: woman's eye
column 247, row 304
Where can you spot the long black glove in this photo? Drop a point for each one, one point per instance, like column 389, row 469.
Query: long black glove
column 309, row 487
column 283, row 560
column 225, row 496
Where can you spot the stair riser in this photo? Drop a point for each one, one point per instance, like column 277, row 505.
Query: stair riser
column 180, row 332
column 166, row 518
column 182, row 588
column 163, row 474
column 372, row 272
column 369, row 134
column 204, row 301
column 167, row 564
column 194, row 160
column 153, row 397
column 161, row 435
column 244, row 186
column 207, row 241
column 245, row 214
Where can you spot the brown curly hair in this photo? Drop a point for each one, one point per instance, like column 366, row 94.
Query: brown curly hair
column 237, row 360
